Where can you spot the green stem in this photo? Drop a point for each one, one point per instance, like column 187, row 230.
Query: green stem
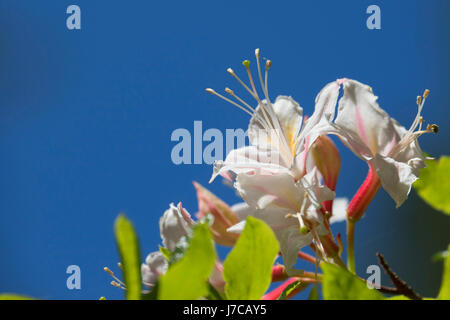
column 350, row 246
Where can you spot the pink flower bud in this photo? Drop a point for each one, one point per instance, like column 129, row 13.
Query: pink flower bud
column 224, row 217
column 327, row 159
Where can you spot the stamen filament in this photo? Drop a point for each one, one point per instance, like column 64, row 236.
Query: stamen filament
column 231, row 92
column 113, row 276
column 228, row 100
column 230, row 71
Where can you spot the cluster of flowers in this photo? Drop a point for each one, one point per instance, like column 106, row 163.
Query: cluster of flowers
column 287, row 176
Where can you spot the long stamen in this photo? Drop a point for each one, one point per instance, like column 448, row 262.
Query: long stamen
column 266, row 94
column 256, row 115
column 410, row 135
column 420, row 104
column 268, row 65
column 117, row 285
column 228, row 100
column 231, row 92
column 270, row 110
column 230, row 71
column 431, row 128
column 246, row 64
column 113, row 276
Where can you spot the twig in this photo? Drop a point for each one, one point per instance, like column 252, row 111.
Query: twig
column 401, row 287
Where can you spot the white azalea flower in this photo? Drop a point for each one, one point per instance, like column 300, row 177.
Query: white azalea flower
column 279, row 136
column 273, row 174
column 375, row 137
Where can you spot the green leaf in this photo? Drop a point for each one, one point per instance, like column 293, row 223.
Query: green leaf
column 187, row 279
column 444, row 293
column 314, row 293
column 248, row 268
column 440, row 256
column 13, row 296
column 285, row 293
column 340, row 284
column 128, row 245
column 399, row 297
column 433, row 184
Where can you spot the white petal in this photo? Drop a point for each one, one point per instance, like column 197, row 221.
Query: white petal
column 291, row 241
column 365, row 127
column 267, row 190
column 396, row 177
column 325, row 106
column 317, row 192
column 242, row 210
column 412, row 155
column 339, row 210
column 237, row 228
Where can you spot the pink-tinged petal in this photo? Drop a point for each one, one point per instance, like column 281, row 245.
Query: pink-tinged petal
column 248, row 159
column 363, row 126
column 396, row 177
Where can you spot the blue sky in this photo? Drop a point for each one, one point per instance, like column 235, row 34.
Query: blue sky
column 86, row 118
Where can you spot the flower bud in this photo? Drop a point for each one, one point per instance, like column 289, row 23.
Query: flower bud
column 175, row 224
column 327, row 159
column 224, row 217
column 155, row 265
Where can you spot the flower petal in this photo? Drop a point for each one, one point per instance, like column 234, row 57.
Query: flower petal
column 396, row 177
column 267, row 190
column 247, row 159
column 364, row 127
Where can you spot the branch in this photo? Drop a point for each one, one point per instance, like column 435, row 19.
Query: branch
column 401, row 287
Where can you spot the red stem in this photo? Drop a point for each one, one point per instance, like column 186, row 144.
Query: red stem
column 364, row 196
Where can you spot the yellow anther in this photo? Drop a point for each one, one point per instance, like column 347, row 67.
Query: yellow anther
column 426, row 93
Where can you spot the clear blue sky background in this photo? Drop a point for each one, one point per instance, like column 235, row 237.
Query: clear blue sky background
column 86, row 118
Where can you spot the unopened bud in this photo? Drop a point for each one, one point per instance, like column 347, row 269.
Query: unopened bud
column 327, row 159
